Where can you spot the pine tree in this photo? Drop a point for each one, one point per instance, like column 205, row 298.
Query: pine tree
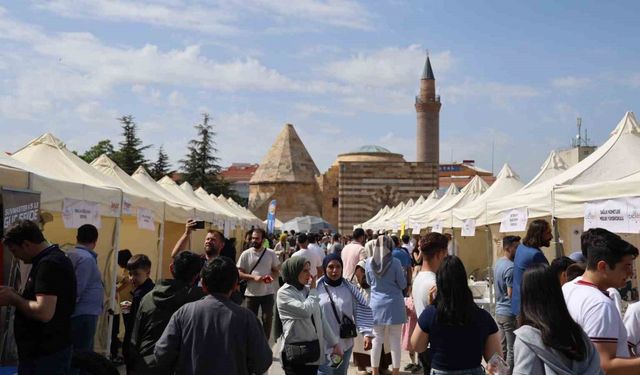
column 201, row 167
column 102, row 147
column 160, row 168
column 130, row 155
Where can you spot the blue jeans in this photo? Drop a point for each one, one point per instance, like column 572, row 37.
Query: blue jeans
column 83, row 330
column 472, row 371
column 58, row 363
column 326, row 368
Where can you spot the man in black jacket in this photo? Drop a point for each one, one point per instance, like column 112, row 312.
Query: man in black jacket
column 158, row 305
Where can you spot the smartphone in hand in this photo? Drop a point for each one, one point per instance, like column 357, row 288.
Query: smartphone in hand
column 199, row 224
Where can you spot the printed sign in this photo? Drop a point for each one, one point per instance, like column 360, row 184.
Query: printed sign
column 227, row 228
column 437, row 227
column 76, row 213
column 145, row 219
column 515, row 220
column 620, row 215
column 127, row 207
column 19, row 205
column 469, row 228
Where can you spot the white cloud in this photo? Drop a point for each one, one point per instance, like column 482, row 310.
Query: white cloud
column 216, row 17
column 208, row 19
column 387, row 67
column 344, row 13
column 500, row 94
column 176, row 99
column 570, row 82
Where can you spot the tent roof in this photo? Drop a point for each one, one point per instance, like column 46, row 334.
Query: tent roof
column 553, row 166
column 615, row 159
column 173, row 211
column 218, row 211
column 202, row 211
column 423, row 214
column 507, row 182
column 48, row 153
column 286, row 161
column 474, row 189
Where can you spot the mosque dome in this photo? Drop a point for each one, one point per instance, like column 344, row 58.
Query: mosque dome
column 370, row 153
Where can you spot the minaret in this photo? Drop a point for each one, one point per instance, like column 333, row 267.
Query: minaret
column 428, row 111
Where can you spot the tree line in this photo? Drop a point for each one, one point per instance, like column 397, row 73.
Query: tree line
column 199, row 167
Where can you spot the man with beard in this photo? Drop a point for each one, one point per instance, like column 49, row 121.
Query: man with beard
column 259, row 266
column 213, row 242
column 528, row 253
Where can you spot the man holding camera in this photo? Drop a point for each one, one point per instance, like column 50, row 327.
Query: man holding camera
column 213, row 242
column 258, row 266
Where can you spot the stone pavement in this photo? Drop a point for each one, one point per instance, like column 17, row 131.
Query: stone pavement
column 276, row 367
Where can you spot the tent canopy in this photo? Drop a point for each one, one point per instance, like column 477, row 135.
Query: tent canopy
column 507, row 182
column 307, row 224
column 615, row 159
column 444, row 213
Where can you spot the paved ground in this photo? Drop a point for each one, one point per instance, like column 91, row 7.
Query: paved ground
column 276, row 367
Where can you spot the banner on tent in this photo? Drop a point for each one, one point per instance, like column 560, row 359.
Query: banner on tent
column 19, row 205
column 76, row 213
column 437, row 227
column 227, row 228
column 415, row 226
column 514, row 220
column 145, row 219
column 469, row 228
column 620, row 215
column 127, row 207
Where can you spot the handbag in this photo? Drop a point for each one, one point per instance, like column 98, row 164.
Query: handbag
column 243, row 283
column 347, row 326
column 303, row 352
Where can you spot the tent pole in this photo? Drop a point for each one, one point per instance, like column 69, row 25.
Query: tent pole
column 490, row 270
column 554, row 223
column 114, row 275
column 161, row 241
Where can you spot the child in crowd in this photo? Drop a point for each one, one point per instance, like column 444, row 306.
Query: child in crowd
column 139, row 267
column 407, row 329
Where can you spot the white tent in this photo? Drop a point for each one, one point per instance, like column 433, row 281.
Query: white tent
column 171, row 211
column 444, row 212
column 243, row 211
column 421, row 217
column 507, row 182
column 202, row 212
column 426, row 204
column 375, row 217
column 220, row 214
column 383, row 223
column 553, row 166
column 615, row 159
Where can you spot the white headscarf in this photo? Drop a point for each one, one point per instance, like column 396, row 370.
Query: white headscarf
column 381, row 258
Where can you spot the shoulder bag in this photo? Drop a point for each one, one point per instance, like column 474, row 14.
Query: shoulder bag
column 347, row 326
column 243, row 282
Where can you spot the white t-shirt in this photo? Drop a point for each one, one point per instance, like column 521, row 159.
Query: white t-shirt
column 313, row 258
column 424, row 281
column 247, row 260
column 597, row 315
column 318, row 250
column 632, row 324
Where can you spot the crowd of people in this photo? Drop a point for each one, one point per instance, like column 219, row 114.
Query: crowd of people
column 328, row 300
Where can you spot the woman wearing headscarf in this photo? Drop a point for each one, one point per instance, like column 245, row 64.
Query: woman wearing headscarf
column 387, row 279
column 304, row 331
column 346, row 311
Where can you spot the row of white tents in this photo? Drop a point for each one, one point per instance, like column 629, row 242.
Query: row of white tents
column 476, row 215
column 133, row 212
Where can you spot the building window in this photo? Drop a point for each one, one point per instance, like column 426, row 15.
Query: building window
column 334, row 202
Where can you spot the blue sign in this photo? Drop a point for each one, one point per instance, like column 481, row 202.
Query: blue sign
column 271, row 217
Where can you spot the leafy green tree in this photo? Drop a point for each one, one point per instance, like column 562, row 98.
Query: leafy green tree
column 130, row 155
column 161, row 166
column 200, row 167
column 102, row 147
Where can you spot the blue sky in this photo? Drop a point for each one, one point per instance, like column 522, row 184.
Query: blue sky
column 344, row 72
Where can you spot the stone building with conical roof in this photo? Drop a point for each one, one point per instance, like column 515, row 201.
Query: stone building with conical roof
column 289, row 175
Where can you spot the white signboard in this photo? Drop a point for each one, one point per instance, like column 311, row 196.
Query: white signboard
column 514, row 220
column 145, row 219
column 227, row 228
column 75, row 213
column 469, row 228
column 437, row 227
column 620, row 215
column 416, row 227
column 127, row 207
